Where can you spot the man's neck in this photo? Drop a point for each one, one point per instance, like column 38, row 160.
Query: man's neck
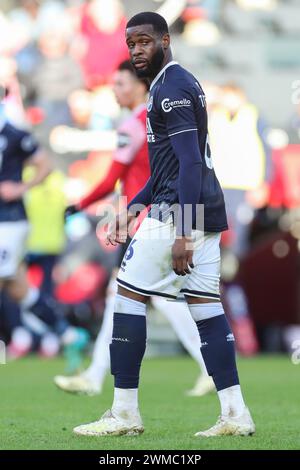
column 168, row 58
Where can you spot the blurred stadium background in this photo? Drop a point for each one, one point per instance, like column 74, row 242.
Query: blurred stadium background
column 246, row 54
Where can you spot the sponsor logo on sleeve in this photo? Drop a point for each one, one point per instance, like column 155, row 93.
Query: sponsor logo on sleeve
column 167, row 105
column 150, row 104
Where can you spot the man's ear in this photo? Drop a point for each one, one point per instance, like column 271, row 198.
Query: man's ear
column 166, row 41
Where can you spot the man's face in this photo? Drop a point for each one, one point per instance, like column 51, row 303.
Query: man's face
column 124, row 86
column 233, row 99
column 146, row 49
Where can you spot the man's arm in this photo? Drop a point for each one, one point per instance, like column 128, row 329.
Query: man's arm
column 40, row 161
column 115, row 172
column 187, row 152
column 118, row 230
column 182, row 126
column 144, row 197
column 186, row 149
column 131, row 137
column 12, row 191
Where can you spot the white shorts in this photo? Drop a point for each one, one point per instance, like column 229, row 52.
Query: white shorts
column 147, row 265
column 12, row 246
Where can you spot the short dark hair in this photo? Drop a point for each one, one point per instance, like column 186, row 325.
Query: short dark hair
column 127, row 65
column 149, row 17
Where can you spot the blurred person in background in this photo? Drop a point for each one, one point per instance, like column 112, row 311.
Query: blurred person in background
column 31, row 16
column 19, row 148
column 130, row 165
column 243, row 165
column 102, row 27
column 201, row 18
column 14, row 109
column 46, row 240
column 56, row 74
column 13, row 331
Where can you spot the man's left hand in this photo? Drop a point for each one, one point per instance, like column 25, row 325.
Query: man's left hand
column 182, row 256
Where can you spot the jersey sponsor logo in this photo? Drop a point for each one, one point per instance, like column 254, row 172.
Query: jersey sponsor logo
column 150, row 104
column 150, row 133
column 168, row 105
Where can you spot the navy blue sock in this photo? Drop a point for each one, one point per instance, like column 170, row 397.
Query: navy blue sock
column 218, row 351
column 127, row 349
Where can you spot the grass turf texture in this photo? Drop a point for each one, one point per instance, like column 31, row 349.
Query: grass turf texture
column 36, row 415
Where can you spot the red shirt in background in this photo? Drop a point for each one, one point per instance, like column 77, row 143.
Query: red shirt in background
column 130, row 162
column 105, row 51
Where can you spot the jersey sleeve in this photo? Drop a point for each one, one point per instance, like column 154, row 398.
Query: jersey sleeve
column 28, row 145
column 131, row 137
column 177, row 107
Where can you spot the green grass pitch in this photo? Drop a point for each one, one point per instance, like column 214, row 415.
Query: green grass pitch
column 36, row 415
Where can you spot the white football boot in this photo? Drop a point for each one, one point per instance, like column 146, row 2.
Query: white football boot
column 113, row 425
column 242, row 425
column 78, row 384
column 203, row 386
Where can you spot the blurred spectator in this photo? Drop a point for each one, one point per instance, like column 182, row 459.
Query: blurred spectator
column 17, row 336
column 18, row 149
column 242, row 166
column 55, row 76
column 14, row 110
column 200, row 18
column 199, row 9
column 103, row 28
column 47, row 235
column 32, row 16
column 11, row 37
column 242, row 161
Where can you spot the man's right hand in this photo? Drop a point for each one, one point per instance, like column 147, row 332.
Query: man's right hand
column 70, row 210
column 118, row 229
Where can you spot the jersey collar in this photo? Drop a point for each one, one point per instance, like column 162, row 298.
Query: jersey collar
column 173, row 62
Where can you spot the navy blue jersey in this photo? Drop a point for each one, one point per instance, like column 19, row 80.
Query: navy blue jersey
column 15, row 147
column 177, row 105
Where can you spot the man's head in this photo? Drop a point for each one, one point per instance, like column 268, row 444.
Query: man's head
column 148, row 41
column 128, row 88
column 233, row 97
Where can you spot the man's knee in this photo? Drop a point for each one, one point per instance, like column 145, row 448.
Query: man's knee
column 132, row 295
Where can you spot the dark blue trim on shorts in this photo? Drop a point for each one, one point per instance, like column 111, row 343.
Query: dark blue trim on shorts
column 143, row 291
column 200, row 294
